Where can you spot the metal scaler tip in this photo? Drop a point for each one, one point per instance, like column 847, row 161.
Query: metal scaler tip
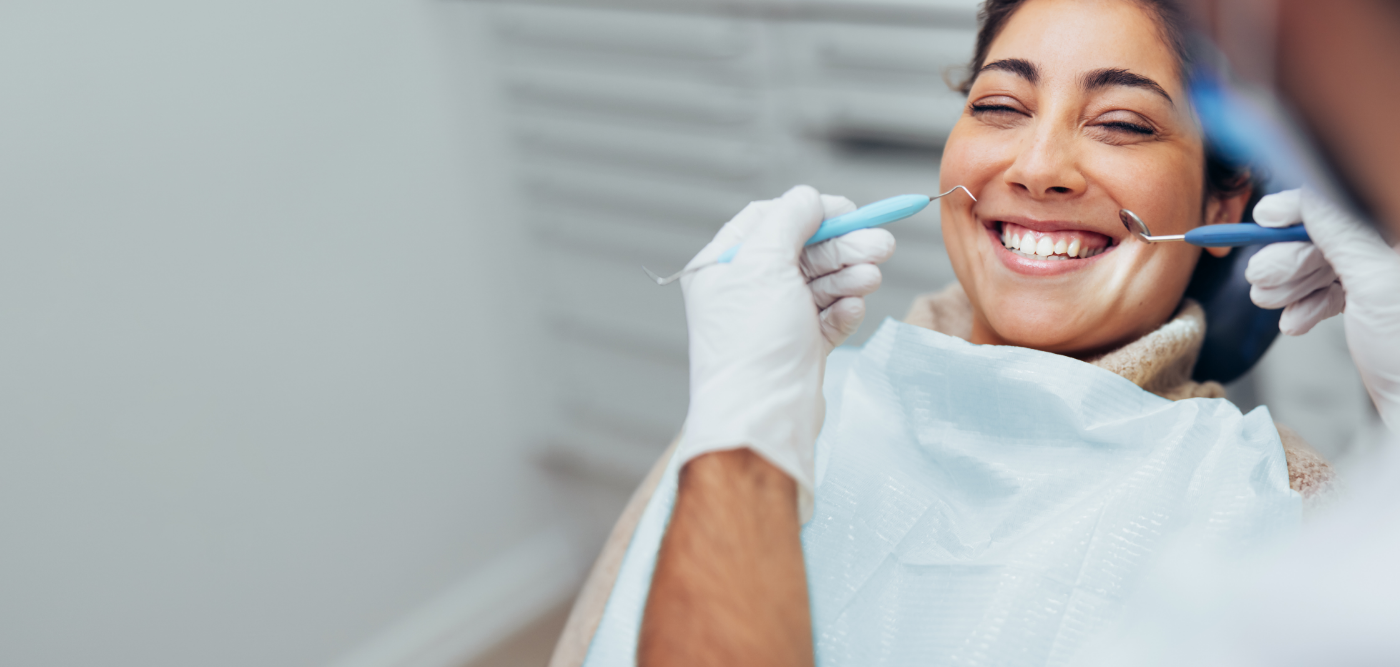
column 950, row 191
column 663, row 281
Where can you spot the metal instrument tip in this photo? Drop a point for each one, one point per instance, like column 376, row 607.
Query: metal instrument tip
column 1136, row 227
column 950, row 191
column 658, row 279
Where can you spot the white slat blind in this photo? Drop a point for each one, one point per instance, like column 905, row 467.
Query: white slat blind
column 641, row 128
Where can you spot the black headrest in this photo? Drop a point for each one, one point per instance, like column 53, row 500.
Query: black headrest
column 1238, row 332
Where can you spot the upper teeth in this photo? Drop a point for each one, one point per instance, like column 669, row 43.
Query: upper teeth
column 1044, row 247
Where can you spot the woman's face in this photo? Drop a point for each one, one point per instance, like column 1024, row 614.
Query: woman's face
column 1079, row 111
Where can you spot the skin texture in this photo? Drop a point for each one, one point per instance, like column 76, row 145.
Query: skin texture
column 1049, row 150
column 730, row 588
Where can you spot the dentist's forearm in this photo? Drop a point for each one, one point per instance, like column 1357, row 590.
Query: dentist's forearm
column 730, row 587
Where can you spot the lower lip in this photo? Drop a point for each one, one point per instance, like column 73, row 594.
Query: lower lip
column 1041, row 267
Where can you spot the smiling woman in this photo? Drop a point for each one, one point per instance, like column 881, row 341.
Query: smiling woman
column 1076, row 109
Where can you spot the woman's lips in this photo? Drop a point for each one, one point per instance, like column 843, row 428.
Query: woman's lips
column 1046, row 253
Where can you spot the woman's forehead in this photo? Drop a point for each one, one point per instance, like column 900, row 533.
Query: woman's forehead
column 1067, row 39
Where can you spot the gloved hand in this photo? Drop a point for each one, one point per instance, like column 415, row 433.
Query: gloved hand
column 762, row 325
column 1346, row 269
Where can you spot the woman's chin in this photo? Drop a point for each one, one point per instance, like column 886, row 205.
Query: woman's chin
column 1048, row 325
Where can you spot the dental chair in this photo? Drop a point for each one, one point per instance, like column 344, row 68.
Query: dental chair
column 1238, row 333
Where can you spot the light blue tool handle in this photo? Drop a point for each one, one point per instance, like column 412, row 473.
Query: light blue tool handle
column 1244, row 233
column 884, row 211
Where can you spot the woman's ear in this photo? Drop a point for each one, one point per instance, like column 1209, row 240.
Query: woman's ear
column 1227, row 209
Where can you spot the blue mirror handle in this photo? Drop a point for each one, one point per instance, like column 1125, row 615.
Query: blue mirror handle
column 881, row 212
column 1242, row 234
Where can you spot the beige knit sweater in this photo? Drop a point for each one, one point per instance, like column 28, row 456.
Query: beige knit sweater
column 1160, row 362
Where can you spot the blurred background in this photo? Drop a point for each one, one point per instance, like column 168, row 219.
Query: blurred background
column 323, row 339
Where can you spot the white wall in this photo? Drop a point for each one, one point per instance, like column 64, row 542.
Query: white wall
column 266, row 361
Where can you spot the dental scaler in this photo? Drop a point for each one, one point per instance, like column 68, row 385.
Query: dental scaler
column 1217, row 236
column 881, row 212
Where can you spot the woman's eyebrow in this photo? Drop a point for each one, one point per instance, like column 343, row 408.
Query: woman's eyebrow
column 1020, row 67
column 1104, row 78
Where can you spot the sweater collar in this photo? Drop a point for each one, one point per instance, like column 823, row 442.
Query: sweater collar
column 1159, row 362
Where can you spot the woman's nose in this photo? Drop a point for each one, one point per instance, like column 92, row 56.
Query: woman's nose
column 1045, row 167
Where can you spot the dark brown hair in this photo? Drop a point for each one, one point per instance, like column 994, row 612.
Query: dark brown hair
column 1223, row 177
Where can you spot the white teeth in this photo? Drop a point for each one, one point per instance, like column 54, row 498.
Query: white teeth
column 1045, row 248
column 1027, row 244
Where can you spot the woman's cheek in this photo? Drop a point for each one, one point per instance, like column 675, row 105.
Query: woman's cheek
column 1159, row 183
column 1167, row 274
column 972, row 158
column 968, row 160
column 1127, row 177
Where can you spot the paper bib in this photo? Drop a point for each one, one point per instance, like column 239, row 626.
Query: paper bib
column 988, row 505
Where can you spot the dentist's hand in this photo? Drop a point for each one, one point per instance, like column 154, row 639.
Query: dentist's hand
column 762, row 325
column 1346, row 269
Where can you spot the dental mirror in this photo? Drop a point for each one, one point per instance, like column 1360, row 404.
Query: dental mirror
column 1230, row 235
column 1138, row 228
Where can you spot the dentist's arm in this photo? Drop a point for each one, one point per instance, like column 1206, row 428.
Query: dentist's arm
column 730, row 587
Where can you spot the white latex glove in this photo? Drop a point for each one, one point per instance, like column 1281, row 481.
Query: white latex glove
column 1346, row 269
column 762, row 325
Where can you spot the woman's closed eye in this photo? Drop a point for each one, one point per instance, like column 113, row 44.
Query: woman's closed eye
column 1122, row 127
column 997, row 110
